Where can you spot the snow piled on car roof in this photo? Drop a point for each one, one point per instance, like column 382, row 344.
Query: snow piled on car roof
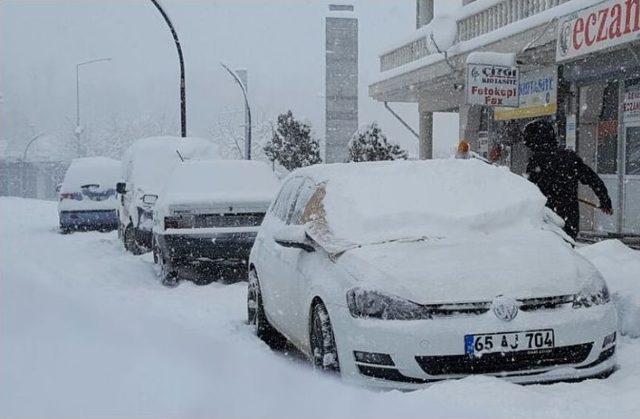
column 101, row 171
column 370, row 202
column 220, row 180
column 148, row 161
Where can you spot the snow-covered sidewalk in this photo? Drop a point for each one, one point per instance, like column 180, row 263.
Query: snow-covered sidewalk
column 87, row 330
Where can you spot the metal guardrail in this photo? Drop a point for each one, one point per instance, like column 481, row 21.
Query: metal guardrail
column 484, row 21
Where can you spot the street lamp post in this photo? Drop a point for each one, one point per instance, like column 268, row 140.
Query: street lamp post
column 183, row 94
column 24, row 155
column 247, row 128
column 78, row 130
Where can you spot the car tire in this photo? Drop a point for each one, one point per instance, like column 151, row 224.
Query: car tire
column 257, row 317
column 168, row 274
column 324, row 351
column 129, row 240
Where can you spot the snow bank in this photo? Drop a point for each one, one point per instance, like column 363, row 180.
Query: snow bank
column 148, row 161
column 370, row 202
column 620, row 266
column 220, row 180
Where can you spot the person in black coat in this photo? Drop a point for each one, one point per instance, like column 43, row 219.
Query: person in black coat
column 557, row 171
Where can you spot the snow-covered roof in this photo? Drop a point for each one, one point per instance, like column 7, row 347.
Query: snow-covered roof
column 238, row 181
column 148, row 161
column 464, row 47
column 101, row 171
column 370, row 202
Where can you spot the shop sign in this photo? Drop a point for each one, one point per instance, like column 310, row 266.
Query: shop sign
column 537, row 92
column 492, row 85
column 605, row 25
column 631, row 105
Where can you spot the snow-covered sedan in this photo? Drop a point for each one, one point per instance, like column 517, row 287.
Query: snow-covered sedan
column 207, row 217
column 401, row 274
column 87, row 196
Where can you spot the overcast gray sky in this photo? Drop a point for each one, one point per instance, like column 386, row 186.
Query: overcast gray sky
column 280, row 42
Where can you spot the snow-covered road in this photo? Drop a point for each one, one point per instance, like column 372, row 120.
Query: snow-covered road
column 87, row 330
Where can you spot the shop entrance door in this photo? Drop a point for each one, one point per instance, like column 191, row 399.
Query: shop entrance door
column 631, row 180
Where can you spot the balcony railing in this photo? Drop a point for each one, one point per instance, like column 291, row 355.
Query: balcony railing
column 470, row 26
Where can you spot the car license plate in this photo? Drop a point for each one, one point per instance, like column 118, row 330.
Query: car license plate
column 508, row 342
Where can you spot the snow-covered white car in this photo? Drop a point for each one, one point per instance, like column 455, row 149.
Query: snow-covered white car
column 401, row 274
column 146, row 165
column 208, row 215
column 87, row 195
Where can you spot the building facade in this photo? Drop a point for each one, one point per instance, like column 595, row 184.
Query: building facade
column 579, row 72
column 341, row 81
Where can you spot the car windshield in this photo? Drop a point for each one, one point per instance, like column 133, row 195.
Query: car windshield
column 367, row 203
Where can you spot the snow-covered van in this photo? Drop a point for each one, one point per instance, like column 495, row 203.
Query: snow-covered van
column 208, row 215
column 146, row 165
column 87, row 196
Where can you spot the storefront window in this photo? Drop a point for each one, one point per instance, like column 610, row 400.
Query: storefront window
column 632, row 126
column 607, row 152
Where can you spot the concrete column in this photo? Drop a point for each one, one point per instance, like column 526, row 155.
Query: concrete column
column 426, row 134
column 470, row 124
column 424, row 12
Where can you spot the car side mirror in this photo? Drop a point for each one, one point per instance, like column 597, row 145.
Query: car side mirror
column 149, row 198
column 121, row 188
column 294, row 236
column 58, row 187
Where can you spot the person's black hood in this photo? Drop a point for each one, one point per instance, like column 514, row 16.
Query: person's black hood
column 539, row 135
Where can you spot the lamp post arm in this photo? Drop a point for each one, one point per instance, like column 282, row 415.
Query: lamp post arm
column 247, row 107
column 183, row 94
column 24, row 155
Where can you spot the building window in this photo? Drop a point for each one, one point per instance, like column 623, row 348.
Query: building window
column 607, row 140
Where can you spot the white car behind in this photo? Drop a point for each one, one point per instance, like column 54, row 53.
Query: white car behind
column 87, row 196
column 401, row 274
column 146, row 166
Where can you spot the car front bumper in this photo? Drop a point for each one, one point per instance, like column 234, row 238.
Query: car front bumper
column 422, row 352
column 89, row 219
column 229, row 247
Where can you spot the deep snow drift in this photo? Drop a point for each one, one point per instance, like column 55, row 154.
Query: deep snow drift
column 88, row 331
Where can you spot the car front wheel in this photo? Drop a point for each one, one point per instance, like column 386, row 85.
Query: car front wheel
column 256, row 316
column 130, row 243
column 323, row 344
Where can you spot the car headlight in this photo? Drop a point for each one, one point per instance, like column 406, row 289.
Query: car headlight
column 377, row 305
column 596, row 293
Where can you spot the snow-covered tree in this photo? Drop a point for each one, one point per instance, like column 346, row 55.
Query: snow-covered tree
column 372, row 145
column 291, row 144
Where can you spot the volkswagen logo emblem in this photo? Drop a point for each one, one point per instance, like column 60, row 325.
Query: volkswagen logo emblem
column 505, row 308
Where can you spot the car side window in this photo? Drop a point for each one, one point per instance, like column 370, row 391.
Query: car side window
column 305, row 192
column 284, row 202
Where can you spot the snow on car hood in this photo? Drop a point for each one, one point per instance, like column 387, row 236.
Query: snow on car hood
column 472, row 269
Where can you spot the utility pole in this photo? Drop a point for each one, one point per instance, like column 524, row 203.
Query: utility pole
column 183, row 93
column 79, row 129
column 240, row 76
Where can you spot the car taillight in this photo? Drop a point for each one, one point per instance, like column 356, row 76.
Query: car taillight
column 179, row 221
column 77, row 196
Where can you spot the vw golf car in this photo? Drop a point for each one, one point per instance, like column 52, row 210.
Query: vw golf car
column 401, row 274
column 146, row 165
column 87, row 196
column 207, row 218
